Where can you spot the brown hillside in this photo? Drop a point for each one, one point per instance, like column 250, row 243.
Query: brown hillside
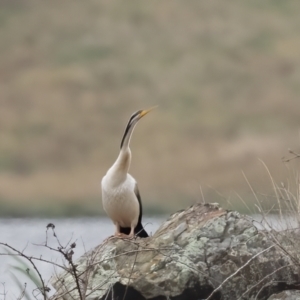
column 224, row 74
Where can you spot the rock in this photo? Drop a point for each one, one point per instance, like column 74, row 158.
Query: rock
column 203, row 252
column 286, row 295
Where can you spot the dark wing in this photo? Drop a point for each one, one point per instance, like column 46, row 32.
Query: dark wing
column 139, row 229
column 138, row 195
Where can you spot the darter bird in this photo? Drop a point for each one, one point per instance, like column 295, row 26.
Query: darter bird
column 120, row 195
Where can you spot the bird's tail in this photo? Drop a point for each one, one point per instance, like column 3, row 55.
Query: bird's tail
column 140, row 231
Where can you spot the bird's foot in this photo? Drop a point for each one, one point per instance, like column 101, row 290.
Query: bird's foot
column 131, row 236
column 124, row 236
column 121, row 235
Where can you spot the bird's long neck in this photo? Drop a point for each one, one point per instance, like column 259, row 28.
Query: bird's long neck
column 124, row 159
column 127, row 135
column 118, row 171
column 121, row 166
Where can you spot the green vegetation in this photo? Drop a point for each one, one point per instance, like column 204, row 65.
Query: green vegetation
column 225, row 77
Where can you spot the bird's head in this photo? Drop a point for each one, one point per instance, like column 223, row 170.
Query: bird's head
column 138, row 115
column 135, row 117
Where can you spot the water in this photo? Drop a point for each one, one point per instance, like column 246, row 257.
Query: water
column 28, row 234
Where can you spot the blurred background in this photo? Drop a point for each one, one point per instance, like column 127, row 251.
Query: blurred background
column 224, row 74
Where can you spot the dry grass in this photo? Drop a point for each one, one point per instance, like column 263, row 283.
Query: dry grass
column 225, row 77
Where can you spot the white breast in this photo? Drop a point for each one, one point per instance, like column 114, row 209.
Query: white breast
column 120, row 202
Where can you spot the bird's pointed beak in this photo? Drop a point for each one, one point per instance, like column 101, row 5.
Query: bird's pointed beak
column 144, row 112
